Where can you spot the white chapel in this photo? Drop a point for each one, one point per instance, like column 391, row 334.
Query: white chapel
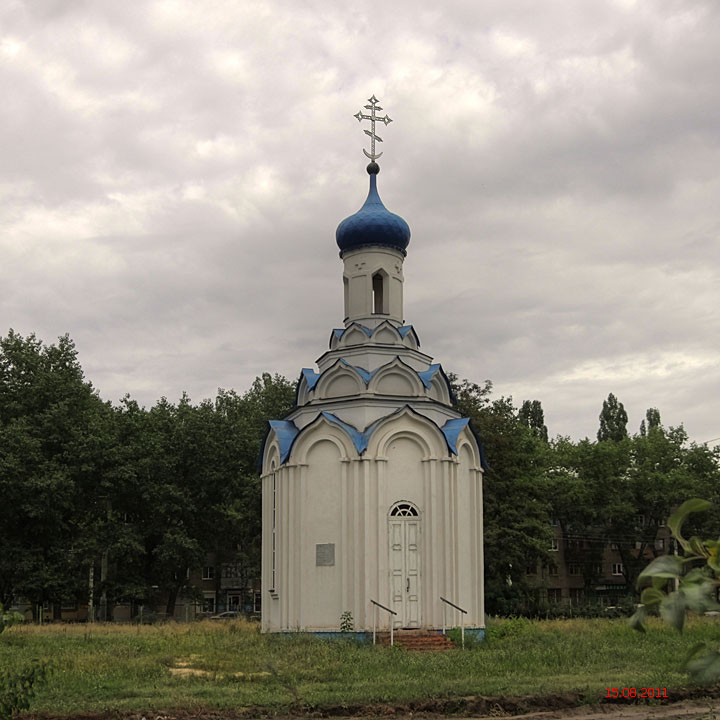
column 372, row 486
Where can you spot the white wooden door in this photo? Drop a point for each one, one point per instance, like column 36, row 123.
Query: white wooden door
column 405, row 571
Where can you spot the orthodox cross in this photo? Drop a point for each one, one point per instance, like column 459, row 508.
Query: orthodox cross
column 372, row 107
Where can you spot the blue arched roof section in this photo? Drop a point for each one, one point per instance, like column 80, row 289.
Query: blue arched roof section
column 451, row 430
column 311, row 377
column 403, row 330
column 364, row 374
column 286, row 432
column 427, row 375
column 359, row 439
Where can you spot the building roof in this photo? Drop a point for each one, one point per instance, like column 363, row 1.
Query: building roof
column 373, row 224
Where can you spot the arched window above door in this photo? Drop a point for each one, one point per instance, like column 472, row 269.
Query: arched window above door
column 404, row 509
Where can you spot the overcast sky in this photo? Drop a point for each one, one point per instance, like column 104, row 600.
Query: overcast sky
column 172, row 173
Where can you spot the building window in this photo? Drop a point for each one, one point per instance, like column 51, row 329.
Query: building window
column 233, row 602
column 598, row 569
column 553, row 570
column 208, row 605
column 555, row 522
column 660, row 544
column 274, row 531
column 404, row 509
column 574, row 569
column 617, row 569
column 554, row 545
column 257, row 602
column 638, row 544
column 377, row 286
column 554, row 595
column 613, row 546
column 576, row 596
column 208, row 572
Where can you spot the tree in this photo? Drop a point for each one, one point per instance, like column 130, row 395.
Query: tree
column 613, row 420
column 516, row 519
column 49, row 418
column 531, row 414
column 622, row 492
column 192, row 486
column 652, row 416
column 244, row 420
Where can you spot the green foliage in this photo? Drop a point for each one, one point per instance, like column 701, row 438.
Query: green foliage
column 347, row 624
column 695, row 589
column 8, row 619
column 17, row 687
column 532, row 415
column 622, row 492
column 651, row 422
column 52, row 451
column 471, row 641
column 613, row 420
column 139, row 495
column 517, row 512
column 511, row 627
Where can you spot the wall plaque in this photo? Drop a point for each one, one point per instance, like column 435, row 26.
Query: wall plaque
column 325, row 554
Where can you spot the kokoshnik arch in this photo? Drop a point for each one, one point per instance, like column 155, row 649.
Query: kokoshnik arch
column 372, row 485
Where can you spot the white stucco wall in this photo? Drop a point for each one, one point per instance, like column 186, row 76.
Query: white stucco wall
column 332, row 495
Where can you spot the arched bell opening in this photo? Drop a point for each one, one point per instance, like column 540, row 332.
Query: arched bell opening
column 380, row 293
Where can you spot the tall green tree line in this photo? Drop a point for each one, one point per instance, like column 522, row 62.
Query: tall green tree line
column 135, row 497
column 615, row 491
column 138, row 494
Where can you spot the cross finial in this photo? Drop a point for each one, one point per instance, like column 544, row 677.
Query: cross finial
column 373, row 118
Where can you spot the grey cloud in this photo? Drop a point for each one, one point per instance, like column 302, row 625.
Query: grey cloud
column 173, row 174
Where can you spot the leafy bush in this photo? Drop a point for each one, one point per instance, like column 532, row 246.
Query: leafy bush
column 695, row 590
column 347, row 624
column 9, row 618
column 509, row 627
column 471, row 640
column 17, row 687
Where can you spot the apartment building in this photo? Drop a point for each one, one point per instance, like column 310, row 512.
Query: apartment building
column 584, row 567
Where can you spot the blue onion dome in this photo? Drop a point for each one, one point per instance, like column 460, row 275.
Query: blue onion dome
column 373, row 223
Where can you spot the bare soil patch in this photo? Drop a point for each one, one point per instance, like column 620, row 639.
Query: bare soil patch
column 689, row 704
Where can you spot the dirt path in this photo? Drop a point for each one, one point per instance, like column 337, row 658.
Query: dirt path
column 686, row 710
column 550, row 707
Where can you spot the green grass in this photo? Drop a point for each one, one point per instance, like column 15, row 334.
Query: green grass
column 102, row 667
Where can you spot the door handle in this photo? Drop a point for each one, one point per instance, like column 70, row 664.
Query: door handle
column 407, row 586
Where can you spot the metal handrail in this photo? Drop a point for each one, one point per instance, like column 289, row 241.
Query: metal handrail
column 387, row 609
column 462, row 618
column 457, row 607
